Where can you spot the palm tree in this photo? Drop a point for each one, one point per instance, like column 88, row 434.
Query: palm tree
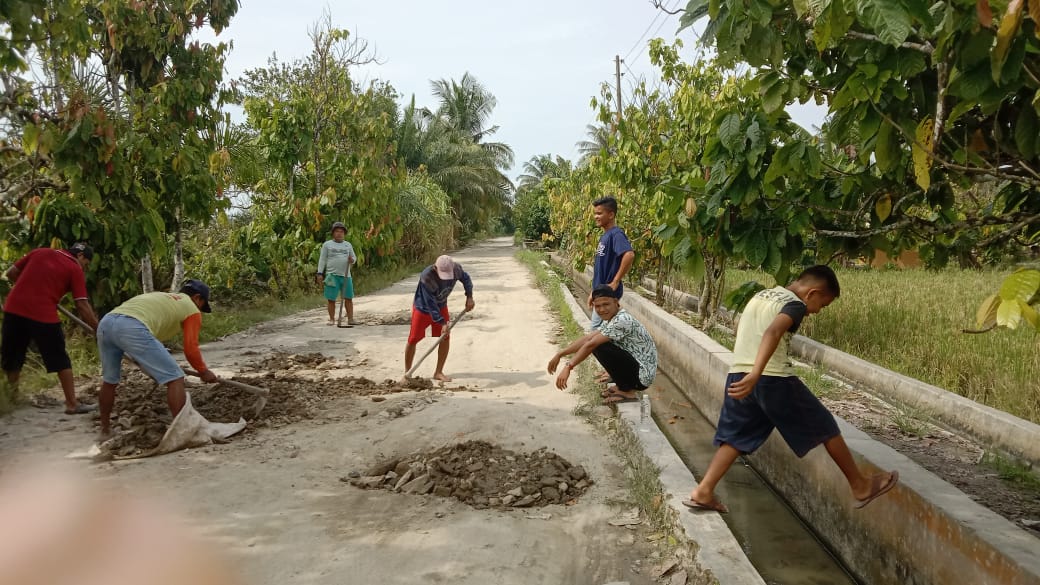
column 450, row 144
column 598, row 140
column 541, row 167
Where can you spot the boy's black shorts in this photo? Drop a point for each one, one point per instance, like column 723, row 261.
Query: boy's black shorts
column 622, row 367
column 18, row 331
column 777, row 402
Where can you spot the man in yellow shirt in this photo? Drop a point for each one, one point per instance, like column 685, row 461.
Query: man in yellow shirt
column 138, row 327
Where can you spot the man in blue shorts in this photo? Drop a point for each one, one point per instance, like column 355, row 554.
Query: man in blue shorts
column 337, row 256
column 137, row 328
column 762, row 392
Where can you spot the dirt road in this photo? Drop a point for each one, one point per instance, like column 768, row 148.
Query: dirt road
column 278, row 500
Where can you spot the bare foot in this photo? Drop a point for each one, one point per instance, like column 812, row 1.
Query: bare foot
column 440, row 376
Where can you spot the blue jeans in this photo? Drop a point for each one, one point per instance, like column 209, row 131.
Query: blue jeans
column 118, row 334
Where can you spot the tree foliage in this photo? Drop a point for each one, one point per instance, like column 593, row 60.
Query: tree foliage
column 936, row 104
column 116, row 144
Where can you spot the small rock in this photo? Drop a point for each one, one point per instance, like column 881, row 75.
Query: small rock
column 403, row 480
column 443, row 491
column 382, row 468
column 1034, row 524
column 353, row 474
column 577, row 473
column 370, row 481
column 678, row 578
column 551, row 494
column 526, row 500
column 417, row 485
column 378, row 398
column 516, row 492
column 363, row 413
column 562, row 487
column 508, row 500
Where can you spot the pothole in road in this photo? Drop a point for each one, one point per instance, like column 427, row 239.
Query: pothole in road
column 300, row 389
column 482, row 475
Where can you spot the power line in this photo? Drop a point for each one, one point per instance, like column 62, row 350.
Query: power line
column 646, row 44
column 642, row 36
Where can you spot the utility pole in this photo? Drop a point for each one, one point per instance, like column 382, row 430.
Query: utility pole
column 617, row 73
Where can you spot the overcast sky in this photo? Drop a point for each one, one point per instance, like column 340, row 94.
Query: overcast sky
column 543, row 60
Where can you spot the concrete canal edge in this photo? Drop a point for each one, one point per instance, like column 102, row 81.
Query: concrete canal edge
column 924, row 532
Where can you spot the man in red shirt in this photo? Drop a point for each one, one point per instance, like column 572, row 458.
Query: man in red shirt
column 41, row 278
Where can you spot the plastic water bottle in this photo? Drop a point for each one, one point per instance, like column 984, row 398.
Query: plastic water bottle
column 645, row 419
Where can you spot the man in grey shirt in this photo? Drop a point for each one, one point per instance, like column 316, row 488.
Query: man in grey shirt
column 334, row 271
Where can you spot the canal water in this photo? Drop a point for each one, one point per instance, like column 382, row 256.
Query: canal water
column 783, row 549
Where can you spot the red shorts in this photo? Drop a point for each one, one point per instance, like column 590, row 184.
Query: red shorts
column 421, row 320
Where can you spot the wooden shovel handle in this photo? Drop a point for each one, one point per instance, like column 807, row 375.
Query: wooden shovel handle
column 240, row 385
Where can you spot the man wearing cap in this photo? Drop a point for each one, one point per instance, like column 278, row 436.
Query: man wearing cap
column 41, row 278
column 334, row 271
column 430, row 308
column 138, row 327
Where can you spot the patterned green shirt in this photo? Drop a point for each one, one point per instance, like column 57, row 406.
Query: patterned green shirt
column 631, row 336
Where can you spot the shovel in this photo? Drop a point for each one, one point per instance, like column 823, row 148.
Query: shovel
column 444, row 334
column 261, row 393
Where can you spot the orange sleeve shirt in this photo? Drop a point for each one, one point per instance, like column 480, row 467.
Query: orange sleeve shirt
column 191, row 327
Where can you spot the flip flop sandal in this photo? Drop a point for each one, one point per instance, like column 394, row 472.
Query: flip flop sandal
column 82, row 409
column 879, row 487
column 713, row 506
column 611, row 391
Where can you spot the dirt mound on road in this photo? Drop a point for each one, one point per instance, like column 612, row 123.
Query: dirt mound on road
column 299, row 384
column 482, row 475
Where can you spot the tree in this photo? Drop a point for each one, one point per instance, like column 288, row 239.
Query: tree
column 116, row 143
column 597, row 141
column 327, row 144
column 460, row 159
column 532, row 207
column 927, row 99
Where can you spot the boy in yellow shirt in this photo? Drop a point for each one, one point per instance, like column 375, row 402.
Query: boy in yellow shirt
column 762, row 392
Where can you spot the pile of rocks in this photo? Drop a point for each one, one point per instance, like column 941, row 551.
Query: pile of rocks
column 482, row 475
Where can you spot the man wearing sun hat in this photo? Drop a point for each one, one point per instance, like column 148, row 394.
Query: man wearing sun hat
column 430, row 308
column 41, row 278
column 138, row 327
column 337, row 256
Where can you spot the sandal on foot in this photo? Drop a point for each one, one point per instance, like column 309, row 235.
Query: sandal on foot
column 619, row 398
column 82, row 409
column 712, row 506
column 880, row 484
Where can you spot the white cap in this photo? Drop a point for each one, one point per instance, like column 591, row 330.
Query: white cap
column 445, row 267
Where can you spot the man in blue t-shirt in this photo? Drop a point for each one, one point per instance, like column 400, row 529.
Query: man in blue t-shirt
column 614, row 254
column 430, row 309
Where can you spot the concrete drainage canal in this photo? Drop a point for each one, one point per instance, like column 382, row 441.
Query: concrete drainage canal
column 783, row 549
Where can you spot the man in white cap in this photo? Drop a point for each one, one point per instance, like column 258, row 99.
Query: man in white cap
column 430, row 308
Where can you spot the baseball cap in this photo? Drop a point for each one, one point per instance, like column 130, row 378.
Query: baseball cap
column 338, row 225
column 81, row 248
column 193, row 287
column 445, row 267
